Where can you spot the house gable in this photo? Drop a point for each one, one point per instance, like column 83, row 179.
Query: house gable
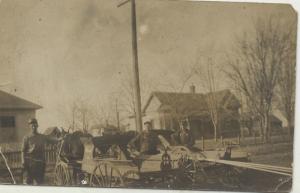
column 153, row 106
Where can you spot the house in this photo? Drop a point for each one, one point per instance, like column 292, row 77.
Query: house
column 167, row 109
column 14, row 115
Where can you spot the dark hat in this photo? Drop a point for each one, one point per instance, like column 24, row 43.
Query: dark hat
column 147, row 123
column 32, row 121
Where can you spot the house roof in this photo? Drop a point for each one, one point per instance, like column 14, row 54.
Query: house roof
column 9, row 101
column 194, row 102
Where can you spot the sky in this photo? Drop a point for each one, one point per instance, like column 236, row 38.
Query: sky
column 53, row 52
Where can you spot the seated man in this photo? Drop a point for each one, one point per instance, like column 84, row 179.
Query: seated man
column 227, row 154
column 146, row 142
column 183, row 136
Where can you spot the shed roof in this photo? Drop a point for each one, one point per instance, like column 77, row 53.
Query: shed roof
column 9, row 101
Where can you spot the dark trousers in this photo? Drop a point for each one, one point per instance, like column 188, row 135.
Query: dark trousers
column 34, row 171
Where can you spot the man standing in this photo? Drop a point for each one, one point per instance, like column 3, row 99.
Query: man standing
column 33, row 152
column 147, row 141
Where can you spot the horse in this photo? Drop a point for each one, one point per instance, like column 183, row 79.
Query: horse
column 72, row 148
column 71, row 151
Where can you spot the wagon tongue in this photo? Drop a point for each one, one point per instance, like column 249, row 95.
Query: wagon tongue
column 164, row 142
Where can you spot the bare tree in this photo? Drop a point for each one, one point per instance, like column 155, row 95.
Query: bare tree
column 102, row 113
column 68, row 113
column 125, row 98
column 77, row 113
column 83, row 114
column 256, row 66
column 208, row 81
column 287, row 82
column 207, row 73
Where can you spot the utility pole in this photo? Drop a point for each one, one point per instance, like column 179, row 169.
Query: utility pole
column 117, row 115
column 136, row 79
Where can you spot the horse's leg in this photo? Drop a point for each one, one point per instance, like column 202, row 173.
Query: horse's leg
column 75, row 172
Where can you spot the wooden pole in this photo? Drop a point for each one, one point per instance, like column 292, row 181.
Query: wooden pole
column 117, row 115
column 259, row 167
column 83, row 122
column 136, row 79
column 202, row 143
column 221, row 137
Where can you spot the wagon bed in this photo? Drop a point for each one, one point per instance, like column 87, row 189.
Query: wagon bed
column 108, row 163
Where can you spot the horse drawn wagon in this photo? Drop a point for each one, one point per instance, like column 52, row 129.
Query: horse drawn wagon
column 106, row 162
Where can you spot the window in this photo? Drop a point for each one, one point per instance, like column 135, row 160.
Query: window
column 7, row 121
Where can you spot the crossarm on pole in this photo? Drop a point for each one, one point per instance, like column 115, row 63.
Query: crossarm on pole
column 123, row 3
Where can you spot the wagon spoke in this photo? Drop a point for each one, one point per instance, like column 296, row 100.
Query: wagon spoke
column 65, row 175
column 106, row 179
column 99, row 182
column 61, row 176
column 101, row 175
column 111, row 174
column 106, row 176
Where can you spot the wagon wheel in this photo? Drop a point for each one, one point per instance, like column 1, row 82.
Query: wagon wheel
column 185, row 163
column 62, row 176
column 230, row 176
column 189, row 170
column 180, row 151
column 131, row 177
column 106, row 175
column 285, row 185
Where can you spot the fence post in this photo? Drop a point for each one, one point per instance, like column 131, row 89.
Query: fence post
column 239, row 140
column 222, row 140
column 202, row 143
column 255, row 138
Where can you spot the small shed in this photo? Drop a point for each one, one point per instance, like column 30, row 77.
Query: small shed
column 253, row 126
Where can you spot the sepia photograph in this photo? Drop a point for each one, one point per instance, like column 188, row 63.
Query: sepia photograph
column 148, row 94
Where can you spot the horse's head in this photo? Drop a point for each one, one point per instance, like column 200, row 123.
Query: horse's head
column 63, row 132
column 72, row 147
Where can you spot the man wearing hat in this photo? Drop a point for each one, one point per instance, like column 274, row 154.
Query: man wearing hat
column 183, row 136
column 33, row 150
column 147, row 141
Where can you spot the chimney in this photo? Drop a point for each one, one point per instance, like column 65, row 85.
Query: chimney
column 192, row 89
